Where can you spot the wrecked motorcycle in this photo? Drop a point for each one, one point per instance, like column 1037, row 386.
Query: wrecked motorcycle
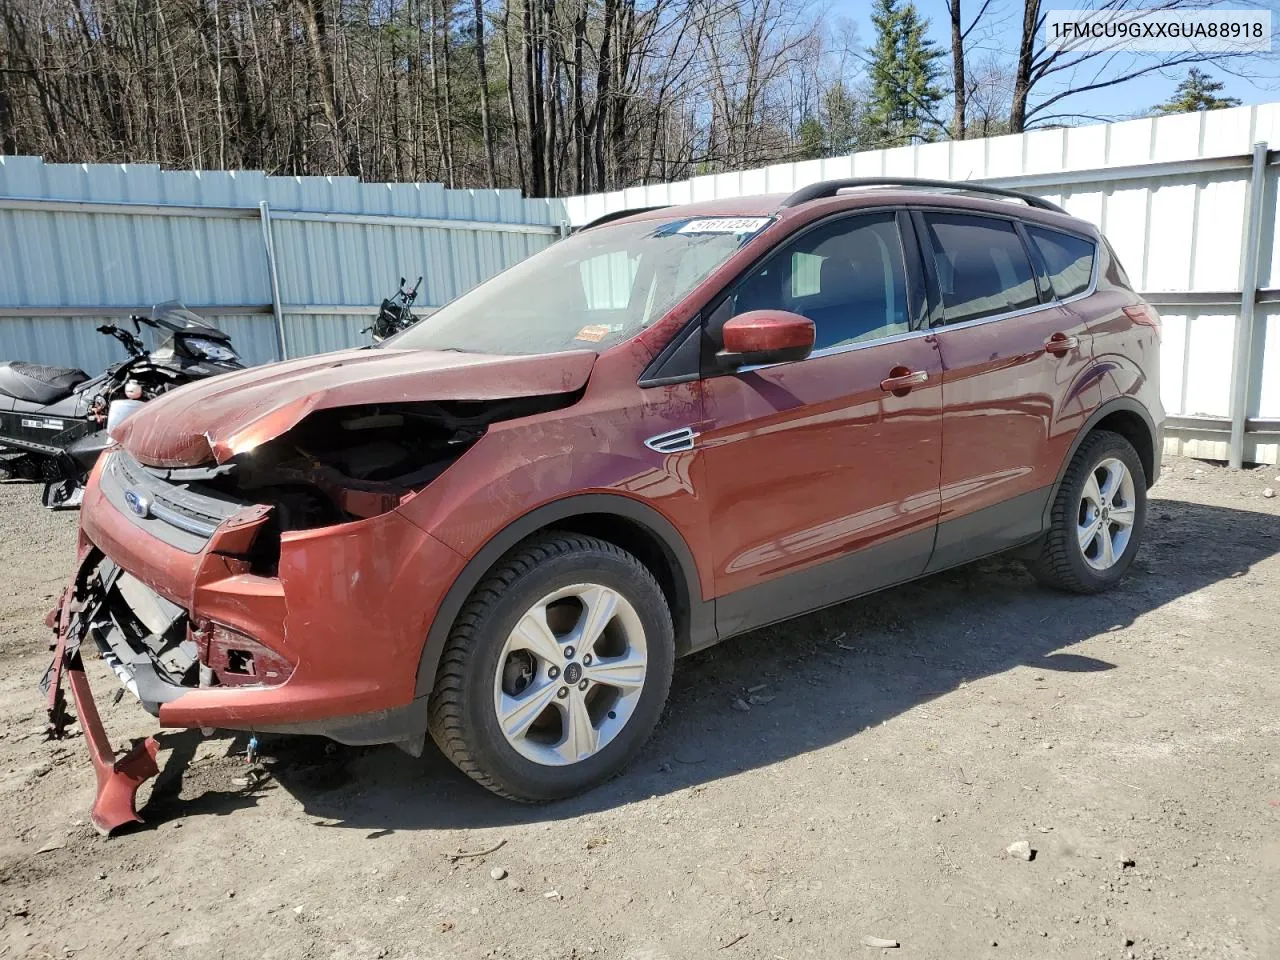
column 54, row 421
column 395, row 315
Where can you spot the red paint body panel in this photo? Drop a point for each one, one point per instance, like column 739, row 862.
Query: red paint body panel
column 226, row 415
column 595, row 446
column 809, row 461
column 793, row 465
column 763, row 331
column 1011, row 409
column 351, row 605
column 114, row 805
column 1128, row 352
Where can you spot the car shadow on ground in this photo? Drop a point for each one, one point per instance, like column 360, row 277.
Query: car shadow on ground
column 830, row 675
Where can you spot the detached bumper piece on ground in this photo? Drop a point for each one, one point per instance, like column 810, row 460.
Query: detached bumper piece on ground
column 118, row 778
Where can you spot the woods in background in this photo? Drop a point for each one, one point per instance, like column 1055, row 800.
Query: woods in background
column 551, row 96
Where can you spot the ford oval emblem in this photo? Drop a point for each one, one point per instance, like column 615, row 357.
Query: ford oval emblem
column 139, row 503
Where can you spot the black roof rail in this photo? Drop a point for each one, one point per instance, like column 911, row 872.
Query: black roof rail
column 829, row 188
column 618, row 215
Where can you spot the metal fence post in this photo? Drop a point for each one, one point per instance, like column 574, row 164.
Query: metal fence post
column 264, row 211
column 1242, row 357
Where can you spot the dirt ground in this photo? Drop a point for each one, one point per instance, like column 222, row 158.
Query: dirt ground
column 895, row 747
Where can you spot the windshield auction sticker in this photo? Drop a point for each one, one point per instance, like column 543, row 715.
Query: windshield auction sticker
column 725, row 225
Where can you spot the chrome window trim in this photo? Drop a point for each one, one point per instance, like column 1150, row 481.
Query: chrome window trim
column 943, row 327
column 1024, row 311
column 843, row 348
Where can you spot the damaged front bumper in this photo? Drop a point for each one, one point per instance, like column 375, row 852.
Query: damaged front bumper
column 327, row 643
column 119, row 778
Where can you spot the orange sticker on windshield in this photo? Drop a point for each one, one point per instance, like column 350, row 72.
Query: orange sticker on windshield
column 592, row 333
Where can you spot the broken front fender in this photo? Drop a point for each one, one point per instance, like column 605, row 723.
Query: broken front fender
column 347, row 605
column 221, row 417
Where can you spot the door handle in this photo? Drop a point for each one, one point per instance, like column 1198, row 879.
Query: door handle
column 1060, row 343
column 901, row 380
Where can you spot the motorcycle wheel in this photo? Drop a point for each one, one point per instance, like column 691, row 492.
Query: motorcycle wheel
column 64, row 494
column 20, row 467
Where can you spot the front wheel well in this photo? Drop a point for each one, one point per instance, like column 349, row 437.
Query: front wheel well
column 636, row 528
column 1133, row 428
column 647, row 547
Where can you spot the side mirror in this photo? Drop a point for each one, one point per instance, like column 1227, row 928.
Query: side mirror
column 765, row 336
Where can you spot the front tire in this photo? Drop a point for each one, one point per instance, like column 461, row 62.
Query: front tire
column 556, row 669
column 1098, row 517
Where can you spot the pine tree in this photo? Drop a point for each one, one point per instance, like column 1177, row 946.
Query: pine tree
column 904, row 76
column 812, row 137
column 886, row 20
column 920, row 73
column 839, row 128
column 1197, row 92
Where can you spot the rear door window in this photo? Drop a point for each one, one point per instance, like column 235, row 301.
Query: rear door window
column 981, row 265
column 1069, row 260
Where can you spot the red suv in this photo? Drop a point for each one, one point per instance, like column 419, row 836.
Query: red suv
column 502, row 526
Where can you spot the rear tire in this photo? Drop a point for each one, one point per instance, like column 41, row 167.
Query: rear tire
column 1097, row 518
column 556, row 670
column 21, row 467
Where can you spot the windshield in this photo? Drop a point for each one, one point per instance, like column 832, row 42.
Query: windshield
column 175, row 316
column 590, row 291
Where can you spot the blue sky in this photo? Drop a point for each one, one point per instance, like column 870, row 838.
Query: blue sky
column 1003, row 25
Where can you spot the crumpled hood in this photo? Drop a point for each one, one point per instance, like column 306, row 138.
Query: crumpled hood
column 217, row 418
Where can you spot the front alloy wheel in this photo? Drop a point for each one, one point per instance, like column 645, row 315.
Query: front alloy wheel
column 570, row 674
column 556, row 669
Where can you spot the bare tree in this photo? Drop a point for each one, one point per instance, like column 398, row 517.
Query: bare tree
column 551, row 96
column 486, row 121
column 959, row 38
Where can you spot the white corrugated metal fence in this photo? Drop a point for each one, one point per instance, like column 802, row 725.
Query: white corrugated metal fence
column 78, row 242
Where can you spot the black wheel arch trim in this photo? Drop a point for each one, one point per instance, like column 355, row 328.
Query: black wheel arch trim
column 1116, row 405
column 699, row 618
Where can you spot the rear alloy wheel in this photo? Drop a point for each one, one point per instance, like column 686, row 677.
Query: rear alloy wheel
column 1105, row 517
column 556, row 670
column 1098, row 517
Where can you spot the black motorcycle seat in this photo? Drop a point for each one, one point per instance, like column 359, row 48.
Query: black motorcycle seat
column 37, row 383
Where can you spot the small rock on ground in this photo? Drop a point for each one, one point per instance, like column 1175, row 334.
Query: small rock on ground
column 879, row 942
column 1020, row 849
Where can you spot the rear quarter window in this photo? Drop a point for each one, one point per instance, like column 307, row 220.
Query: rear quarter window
column 1068, row 259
